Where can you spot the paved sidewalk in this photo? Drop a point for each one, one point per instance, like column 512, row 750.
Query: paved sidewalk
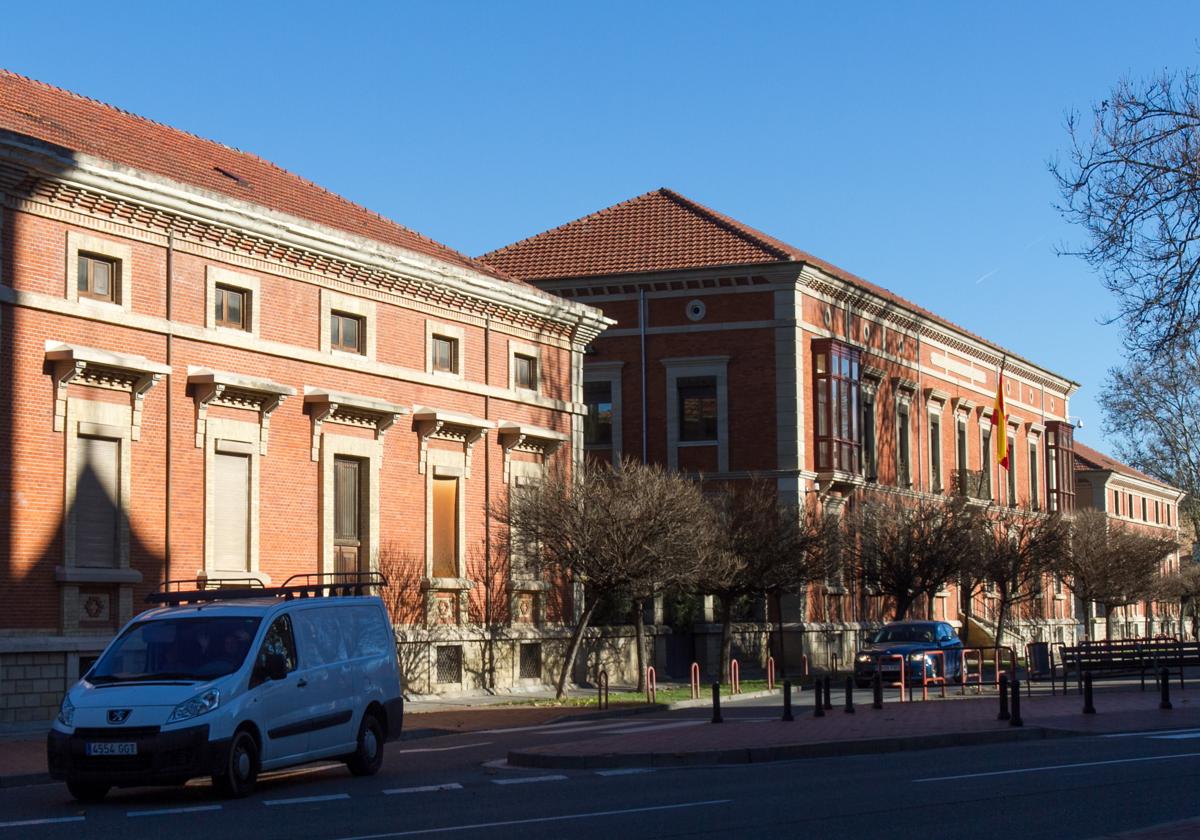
column 918, row 725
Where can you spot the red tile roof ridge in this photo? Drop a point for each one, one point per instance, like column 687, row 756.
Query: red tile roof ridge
column 467, row 261
column 1094, row 459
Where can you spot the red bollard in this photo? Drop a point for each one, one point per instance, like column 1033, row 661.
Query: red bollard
column 695, row 680
column 651, row 685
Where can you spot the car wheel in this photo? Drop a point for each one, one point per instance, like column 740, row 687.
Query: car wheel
column 241, row 768
column 368, row 754
column 88, row 791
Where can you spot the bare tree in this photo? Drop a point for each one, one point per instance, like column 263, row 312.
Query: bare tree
column 907, row 548
column 1152, row 408
column 1133, row 184
column 1014, row 552
column 767, row 548
column 613, row 532
column 1183, row 587
column 1112, row 564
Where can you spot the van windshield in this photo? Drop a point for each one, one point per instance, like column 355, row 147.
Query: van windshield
column 195, row 649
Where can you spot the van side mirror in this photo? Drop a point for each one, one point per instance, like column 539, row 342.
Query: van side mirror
column 273, row 667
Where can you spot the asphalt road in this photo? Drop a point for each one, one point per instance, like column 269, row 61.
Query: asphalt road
column 458, row 785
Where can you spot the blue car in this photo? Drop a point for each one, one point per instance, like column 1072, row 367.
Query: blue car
column 914, row 640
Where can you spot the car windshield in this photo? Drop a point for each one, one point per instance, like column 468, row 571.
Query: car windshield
column 905, row 633
column 196, row 649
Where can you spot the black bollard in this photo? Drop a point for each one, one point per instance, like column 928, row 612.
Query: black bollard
column 876, row 691
column 1004, row 715
column 787, row 701
column 716, row 689
column 849, row 695
column 828, row 704
column 1015, row 720
column 1088, row 707
column 1165, row 703
column 818, row 706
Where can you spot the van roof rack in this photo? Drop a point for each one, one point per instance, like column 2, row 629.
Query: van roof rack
column 311, row 585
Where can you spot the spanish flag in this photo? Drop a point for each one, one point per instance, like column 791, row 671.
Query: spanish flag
column 999, row 418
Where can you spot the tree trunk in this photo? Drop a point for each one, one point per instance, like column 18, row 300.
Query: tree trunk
column 1108, row 622
column 781, row 664
column 639, row 627
column 1001, row 619
column 573, row 648
column 726, row 637
column 903, row 603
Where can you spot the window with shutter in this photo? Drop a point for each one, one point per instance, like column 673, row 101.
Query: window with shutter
column 347, row 518
column 231, row 517
column 97, row 502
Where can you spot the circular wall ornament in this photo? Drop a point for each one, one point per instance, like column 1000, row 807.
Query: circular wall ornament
column 695, row 310
column 827, row 315
column 866, row 332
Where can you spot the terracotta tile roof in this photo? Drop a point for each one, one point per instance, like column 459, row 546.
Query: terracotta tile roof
column 1087, row 459
column 80, row 124
column 664, row 231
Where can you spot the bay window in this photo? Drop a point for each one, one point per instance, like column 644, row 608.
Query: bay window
column 836, row 374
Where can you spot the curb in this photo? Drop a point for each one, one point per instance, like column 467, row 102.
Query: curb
column 785, row 752
column 25, row 780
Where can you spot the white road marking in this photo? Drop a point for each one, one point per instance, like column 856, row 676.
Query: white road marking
column 300, row 800
column 444, row 749
column 50, row 821
column 164, row 811
column 1181, row 736
column 532, row 820
column 1147, row 734
column 424, row 788
column 1058, row 767
column 525, row 780
column 625, row 771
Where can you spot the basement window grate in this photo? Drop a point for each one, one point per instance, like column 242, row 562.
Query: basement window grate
column 531, row 661
column 449, row 664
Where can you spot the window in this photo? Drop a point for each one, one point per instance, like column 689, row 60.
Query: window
column 1168, row 508
column 98, row 277
column 935, row 452
column 1034, row 500
column 449, row 664
column 836, row 378
column 231, row 512
column 1012, row 471
column 347, row 514
column 531, row 661
column 903, row 464
column 960, row 443
column 1144, row 517
column 445, row 527
column 985, row 459
column 870, row 470
column 444, row 352
column 597, row 425
column 345, row 332
column 1116, row 501
column 97, row 501
column 279, row 641
column 231, row 307
column 1060, row 460
column 1156, row 512
column 524, row 371
column 697, row 408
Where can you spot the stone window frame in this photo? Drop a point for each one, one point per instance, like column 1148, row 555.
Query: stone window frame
column 611, row 373
column 451, row 331
column 89, row 418
column 369, row 451
column 442, row 463
column 682, row 368
column 122, row 254
column 363, row 308
column 936, row 403
column 904, row 393
column 520, row 348
column 220, row 433
column 216, row 275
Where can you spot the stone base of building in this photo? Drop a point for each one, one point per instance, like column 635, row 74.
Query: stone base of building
column 35, row 671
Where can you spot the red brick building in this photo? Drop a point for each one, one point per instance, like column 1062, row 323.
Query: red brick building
column 1135, row 500
column 214, row 368
column 736, row 353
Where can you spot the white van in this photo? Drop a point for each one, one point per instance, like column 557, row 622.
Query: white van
column 229, row 682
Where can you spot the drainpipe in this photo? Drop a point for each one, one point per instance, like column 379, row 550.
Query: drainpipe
column 170, row 385
column 642, row 336
column 920, row 434
column 487, row 517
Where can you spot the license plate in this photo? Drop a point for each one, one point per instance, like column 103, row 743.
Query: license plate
column 112, row 748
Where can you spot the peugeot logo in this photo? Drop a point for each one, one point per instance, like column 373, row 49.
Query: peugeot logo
column 116, row 716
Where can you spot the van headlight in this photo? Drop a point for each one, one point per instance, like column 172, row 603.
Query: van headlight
column 202, row 703
column 66, row 712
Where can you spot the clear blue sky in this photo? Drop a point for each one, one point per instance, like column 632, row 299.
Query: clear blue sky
column 907, row 142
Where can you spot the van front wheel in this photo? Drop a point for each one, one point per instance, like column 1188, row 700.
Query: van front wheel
column 87, row 791
column 241, row 768
column 368, row 755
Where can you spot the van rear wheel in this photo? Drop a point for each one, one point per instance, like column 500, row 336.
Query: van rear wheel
column 241, row 768
column 88, row 791
column 368, row 754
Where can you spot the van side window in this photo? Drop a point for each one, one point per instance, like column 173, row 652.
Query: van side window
column 370, row 631
column 279, row 640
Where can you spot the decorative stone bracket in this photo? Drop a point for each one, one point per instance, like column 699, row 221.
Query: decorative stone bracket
column 449, row 425
column 211, row 387
column 134, row 375
column 351, row 410
column 447, row 600
column 525, row 438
